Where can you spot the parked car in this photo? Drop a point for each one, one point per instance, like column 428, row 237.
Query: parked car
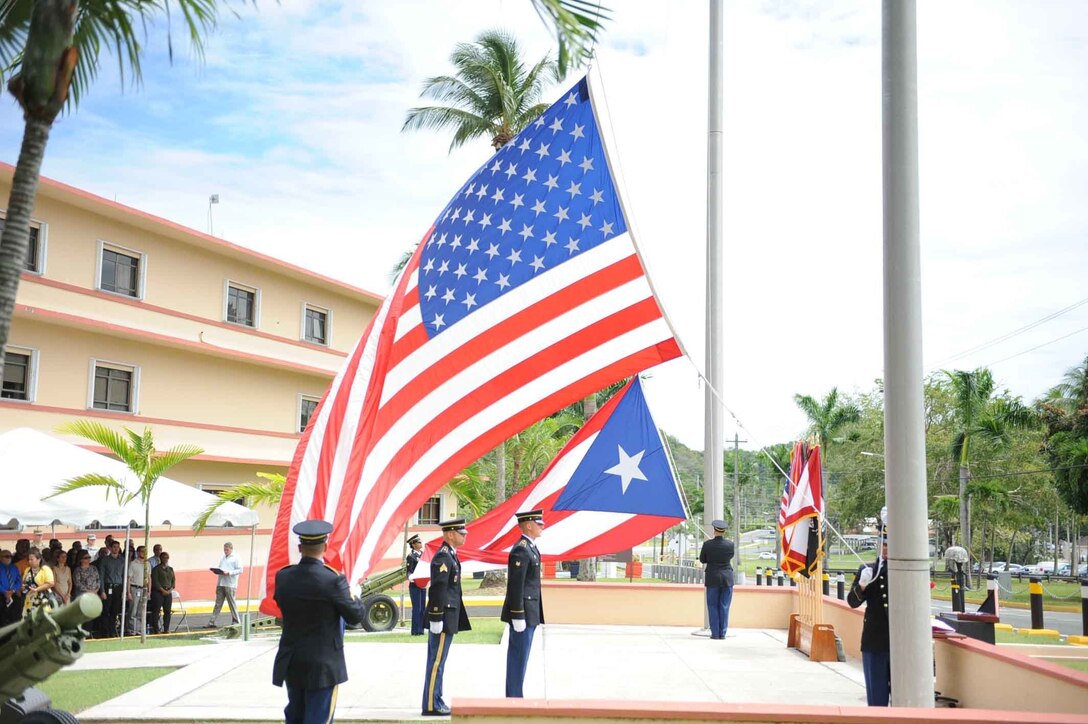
column 997, row 566
column 766, row 556
column 1015, row 569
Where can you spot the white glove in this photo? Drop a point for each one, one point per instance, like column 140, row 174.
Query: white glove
column 518, row 624
column 436, row 627
column 866, row 577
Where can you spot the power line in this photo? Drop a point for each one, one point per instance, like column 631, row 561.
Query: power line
column 1015, row 332
column 1038, row 346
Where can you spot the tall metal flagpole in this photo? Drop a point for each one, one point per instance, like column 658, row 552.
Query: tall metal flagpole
column 904, row 434
column 714, row 442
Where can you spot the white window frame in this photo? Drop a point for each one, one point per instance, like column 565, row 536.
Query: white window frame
column 32, row 374
column 328, row 324
column 141, row 281
column 298, row 409
column 227, row 284
column 127, row 366
column 441, row 507
column 43, row 239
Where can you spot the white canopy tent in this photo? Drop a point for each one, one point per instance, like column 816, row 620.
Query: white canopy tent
column 33, row 464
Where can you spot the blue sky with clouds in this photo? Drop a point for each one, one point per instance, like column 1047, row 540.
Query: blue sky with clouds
column 294, row 120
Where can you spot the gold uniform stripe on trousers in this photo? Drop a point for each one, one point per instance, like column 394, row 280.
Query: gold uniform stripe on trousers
column 332, row 705
column 434, row 670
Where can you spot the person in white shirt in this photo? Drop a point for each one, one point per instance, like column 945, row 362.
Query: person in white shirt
column 136, row 589
column 229, row 569
column 92, row 546
column 155, row 551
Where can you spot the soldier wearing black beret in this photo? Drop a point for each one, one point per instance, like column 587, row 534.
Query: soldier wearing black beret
column 523, row 608
column 417, row 594
column 445, row 612
column 313, row 599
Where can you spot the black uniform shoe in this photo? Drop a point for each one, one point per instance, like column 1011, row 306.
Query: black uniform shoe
column 436, row 712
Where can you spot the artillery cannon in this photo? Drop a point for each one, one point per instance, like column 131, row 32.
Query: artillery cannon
column 381, row 612
column 34, row 649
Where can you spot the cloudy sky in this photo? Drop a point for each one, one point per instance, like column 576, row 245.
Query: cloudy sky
column 294, row 120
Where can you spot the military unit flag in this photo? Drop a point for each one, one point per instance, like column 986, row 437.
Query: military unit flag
column 800, row 515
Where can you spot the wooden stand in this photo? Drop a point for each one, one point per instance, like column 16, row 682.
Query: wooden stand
column 808, row 633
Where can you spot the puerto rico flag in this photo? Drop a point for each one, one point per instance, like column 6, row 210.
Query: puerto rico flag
column 526, row 294
column 609, row 489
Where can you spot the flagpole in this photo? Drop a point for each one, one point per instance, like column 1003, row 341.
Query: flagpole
column 904, row 435
column 714, row 441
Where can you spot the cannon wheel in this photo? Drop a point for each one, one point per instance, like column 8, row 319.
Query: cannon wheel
column 381, row 613
column 49, row 716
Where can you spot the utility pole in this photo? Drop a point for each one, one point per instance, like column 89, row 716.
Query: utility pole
column 904, row 432
column 736, row 495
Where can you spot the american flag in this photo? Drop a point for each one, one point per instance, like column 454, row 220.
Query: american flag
column 525, row 295
column 800, row 513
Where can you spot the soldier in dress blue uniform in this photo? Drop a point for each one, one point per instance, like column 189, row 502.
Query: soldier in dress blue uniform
column 315, row 602
column 417, row 594
column 445, row 613
column 523, row 608
column 717, row 555
column 870, row 586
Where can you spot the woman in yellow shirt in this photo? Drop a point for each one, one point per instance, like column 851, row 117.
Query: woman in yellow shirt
column 37, row 582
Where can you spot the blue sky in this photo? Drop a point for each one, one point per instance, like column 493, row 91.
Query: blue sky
column 294, row 120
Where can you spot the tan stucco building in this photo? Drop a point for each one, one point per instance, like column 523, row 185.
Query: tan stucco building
column 134, row 320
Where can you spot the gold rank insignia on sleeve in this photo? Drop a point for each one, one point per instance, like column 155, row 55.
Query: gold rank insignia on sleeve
column 442, row 568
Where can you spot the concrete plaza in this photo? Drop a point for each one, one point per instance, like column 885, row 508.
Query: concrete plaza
column 232, row 680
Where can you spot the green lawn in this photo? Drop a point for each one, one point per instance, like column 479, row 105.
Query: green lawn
column 133, row 642
column 77, row 690
column 1010, row 637
column 484, row 631
column 1078, row 664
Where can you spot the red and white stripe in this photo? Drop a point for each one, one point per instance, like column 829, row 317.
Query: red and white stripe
column 406, row 412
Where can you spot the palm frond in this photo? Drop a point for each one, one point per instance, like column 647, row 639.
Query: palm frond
column 266, row 493
column 163, row 461
column 104, row 435
column 576, row 24
column 95, row 480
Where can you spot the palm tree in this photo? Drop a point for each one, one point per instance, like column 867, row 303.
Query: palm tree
column 1065, row 414
column 491, row 95
column 137, row 451
column 267, row 493
column 978, row 415
column 576, row 23
column 827, row 417
column 54, row 48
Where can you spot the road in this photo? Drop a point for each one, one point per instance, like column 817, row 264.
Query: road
column 1066, row 623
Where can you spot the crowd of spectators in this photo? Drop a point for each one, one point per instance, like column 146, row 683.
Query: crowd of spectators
column 35, row 576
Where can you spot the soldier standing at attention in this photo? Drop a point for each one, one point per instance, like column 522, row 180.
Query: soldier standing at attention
column 445, row 612
column 417, row 594
column 313, row 599
column 870, row 587
column 717, row 556
column 523, row 608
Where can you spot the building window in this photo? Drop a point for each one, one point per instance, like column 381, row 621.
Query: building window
column 18, row 375
column 431, row 512
column 315, row 324
column 241, row 305
column 35, row 247
column 120, row 272
column 307, row 406
column 114, row 388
